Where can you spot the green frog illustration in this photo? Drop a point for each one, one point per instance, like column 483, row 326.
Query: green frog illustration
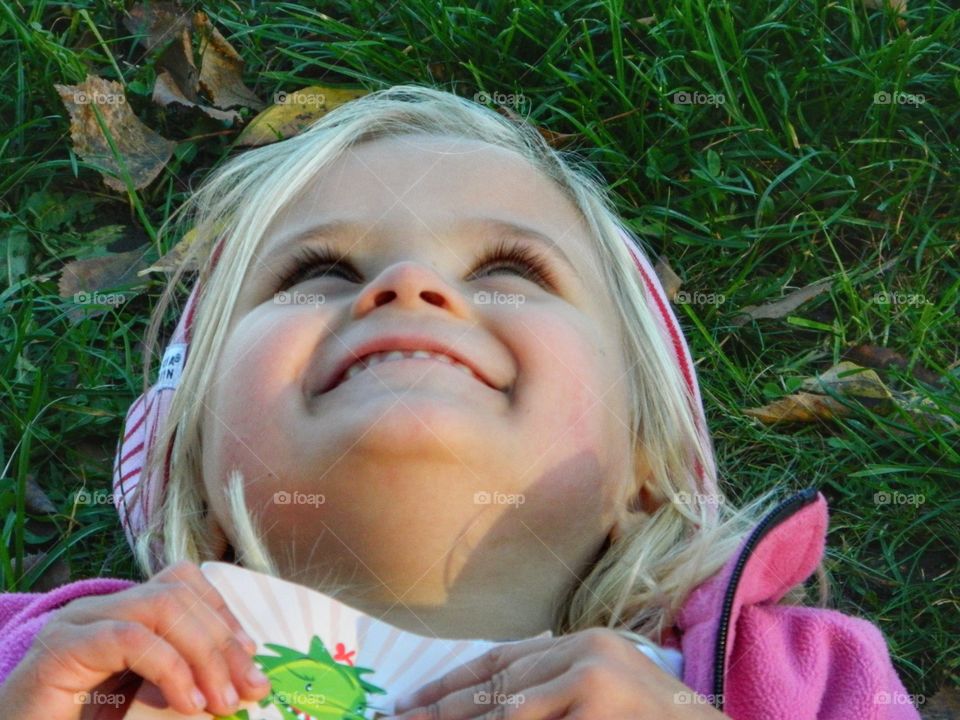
column 312, row 686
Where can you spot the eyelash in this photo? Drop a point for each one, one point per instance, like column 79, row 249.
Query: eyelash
column 505, row 253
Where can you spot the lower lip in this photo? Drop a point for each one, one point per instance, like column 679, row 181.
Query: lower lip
column 406, row 362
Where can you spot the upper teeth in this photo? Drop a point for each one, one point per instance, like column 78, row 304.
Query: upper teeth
column 376, row 358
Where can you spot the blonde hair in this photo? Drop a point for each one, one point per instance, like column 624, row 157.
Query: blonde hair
column 638, row 581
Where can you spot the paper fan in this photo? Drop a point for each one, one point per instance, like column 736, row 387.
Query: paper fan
column 326, row 660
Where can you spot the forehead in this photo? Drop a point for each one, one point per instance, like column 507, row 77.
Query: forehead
column 421, row 182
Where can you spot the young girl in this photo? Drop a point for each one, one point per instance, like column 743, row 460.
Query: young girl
column 425, row 368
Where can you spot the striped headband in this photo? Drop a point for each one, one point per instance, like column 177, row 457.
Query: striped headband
column 138, row 495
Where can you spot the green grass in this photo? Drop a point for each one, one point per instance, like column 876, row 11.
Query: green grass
column 799, row 175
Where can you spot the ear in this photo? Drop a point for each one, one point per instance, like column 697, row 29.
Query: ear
column 639, row 499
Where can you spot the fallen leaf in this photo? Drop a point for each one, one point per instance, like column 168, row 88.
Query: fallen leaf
column 783, row 306
column 157, row 22
column 850, row 379
column 816, row 400
column 84, row 279
column 944, row 705
column 53, row 576
column 175, row 257
column 295, row 111
column 176, row 63
column 102, row 272
column 883, row 357
column 36, row 500
column 166, row 90
column 178, row 80
column 668, row 278
column 799, row 407
column 142, row 151
column 221, row 68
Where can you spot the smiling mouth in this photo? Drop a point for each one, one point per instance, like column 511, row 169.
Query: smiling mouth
column 382, row 358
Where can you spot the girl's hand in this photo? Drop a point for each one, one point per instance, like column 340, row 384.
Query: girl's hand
column 589, row 675
column 174, row 631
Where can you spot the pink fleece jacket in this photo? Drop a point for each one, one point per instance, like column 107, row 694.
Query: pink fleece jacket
column 750, row 657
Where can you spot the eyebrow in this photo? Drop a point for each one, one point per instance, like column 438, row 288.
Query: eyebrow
column 497, row 228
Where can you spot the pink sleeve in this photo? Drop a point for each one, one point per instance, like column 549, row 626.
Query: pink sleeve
column 22, row 615
column 796, row 663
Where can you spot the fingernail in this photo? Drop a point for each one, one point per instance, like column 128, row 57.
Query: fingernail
column 199, row 699
column 230, row 697
column 255, row 677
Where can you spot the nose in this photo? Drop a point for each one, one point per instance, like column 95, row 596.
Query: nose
column 409, row 285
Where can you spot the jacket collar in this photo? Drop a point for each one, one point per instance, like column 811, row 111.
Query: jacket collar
column 782, row 551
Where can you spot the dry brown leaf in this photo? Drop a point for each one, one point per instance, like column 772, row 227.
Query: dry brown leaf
column 815, row 400
column 668, row 278
column 799, row 407
column 36, row 500
column 944, row 705
column 85, row 279
column 91, row 275
column 158, row 22
column 177, row 77
column 166, row 91
column 57, row 574
column 177, row 64
column 143, row 152
column 175, row 257
column 784, row 305
column 295, row 111
column 221, row 69
column 883, row 357
column 849, row 379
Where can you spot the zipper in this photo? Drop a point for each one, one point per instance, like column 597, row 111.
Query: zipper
column 776, row 516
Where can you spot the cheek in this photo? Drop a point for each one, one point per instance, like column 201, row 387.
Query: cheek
column 249, row 412
column 569, row 378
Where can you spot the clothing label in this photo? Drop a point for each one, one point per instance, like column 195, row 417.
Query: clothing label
column 172, row 366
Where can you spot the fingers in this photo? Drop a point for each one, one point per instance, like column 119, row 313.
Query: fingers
column 156, row 660
column 90, row 653
column 180, row 607
column 217, row 659
column 192, row 615
column 524, row 689
column 476, row 672
column 190, row 574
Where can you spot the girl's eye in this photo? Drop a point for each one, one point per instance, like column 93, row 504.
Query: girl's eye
column 310, row 262
column 306, row 260
column 532, row 265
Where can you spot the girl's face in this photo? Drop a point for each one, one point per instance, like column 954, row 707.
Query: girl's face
column 452, row 506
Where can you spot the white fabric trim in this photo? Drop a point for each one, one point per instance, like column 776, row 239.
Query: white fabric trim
column 668, row 659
